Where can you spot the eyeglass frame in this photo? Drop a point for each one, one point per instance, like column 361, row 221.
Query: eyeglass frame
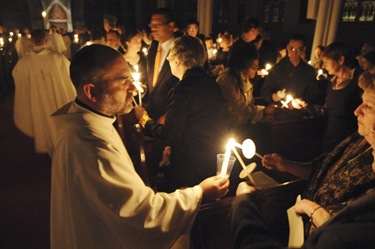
column 254, row 67
column 296, row 50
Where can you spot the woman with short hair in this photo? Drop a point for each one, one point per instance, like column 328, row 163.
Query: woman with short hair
column 196, row 123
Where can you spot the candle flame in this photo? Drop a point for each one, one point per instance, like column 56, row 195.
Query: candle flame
column 136, row 68
column 268, row 66
column 44, row 14
column 264, row 72
column 76, row 38
column 138, row 86
column 230, row 144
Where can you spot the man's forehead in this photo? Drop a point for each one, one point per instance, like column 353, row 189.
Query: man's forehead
column 295, row 43
column 158, row 17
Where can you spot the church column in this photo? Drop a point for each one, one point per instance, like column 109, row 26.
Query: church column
column 204, row 14
column 334, row 21
column 326, row 23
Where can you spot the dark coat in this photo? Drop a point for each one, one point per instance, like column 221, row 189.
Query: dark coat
column 298, row 81
column 157, row 96
column 352, row 228
column 196, row 127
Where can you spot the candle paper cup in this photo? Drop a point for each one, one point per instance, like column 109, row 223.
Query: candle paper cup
column 220, row 159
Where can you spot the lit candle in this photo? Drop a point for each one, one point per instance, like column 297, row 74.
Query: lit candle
column 145, row 51
column 137, row 84
column 224, row 167
column 264, row 72
column 76, row 38
column 44, row 15
column 11, row 34
column 1, row 42
column 320, row 72
column 19, row 35
column 214, row 51
column 268, row 66
column 286, row 102
column 10, row 39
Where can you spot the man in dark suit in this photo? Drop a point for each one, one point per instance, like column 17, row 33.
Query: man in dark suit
column 160, row 78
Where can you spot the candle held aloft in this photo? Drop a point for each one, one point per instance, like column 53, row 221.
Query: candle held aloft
column 137, row 83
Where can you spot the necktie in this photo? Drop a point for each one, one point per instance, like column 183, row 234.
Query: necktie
column 156, row 66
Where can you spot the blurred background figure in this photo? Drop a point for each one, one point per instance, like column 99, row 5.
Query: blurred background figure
column 42, row 85
column 67, row 42
column 133, row 54
column 368, row 62
column 318, row 63
column 114, row 41
column 55, row 41
column 24, row 44
column 225, row 42
column 109, row 22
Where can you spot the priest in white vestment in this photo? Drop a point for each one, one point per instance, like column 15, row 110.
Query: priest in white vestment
column 97, row 198
column 56, row 41
column 42, row 85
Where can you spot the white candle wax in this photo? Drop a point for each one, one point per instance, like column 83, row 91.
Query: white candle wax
column 224, row 167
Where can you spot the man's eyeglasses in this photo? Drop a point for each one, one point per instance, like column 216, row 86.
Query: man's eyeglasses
column 296, row 50
column 157, row 25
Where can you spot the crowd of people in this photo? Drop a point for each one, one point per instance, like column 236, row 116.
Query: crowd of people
column 197, row 93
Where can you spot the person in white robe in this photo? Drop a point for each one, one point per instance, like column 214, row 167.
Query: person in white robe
column 56, row 41
column 97, row 198
column 23, row 44
column 42, row 85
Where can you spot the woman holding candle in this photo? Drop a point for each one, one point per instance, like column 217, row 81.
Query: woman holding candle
column 338, row 183
column 343, row 94
column 136, row 60
column 196, row 120
column 236, row 86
